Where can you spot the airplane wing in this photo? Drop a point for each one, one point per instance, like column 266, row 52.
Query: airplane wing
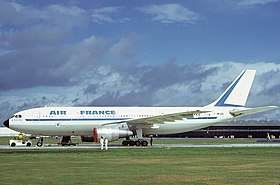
column 252, row 110
column 161, row 118
column 166, row 117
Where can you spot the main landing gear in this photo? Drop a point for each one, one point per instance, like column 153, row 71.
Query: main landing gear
column 139, row 142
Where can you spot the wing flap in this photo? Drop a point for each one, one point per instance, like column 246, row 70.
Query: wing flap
column 252, row 110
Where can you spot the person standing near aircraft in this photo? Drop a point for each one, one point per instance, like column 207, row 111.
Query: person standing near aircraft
column 106, row 143
column 151, row 141
column 268, row 137
column 101, row 142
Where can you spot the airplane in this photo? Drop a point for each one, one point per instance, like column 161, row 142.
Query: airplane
column 123, row 122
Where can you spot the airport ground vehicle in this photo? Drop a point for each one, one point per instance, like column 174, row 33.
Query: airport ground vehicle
column 17, row 142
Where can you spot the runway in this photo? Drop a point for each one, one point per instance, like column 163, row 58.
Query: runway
column 96, row 146
column 217, row 145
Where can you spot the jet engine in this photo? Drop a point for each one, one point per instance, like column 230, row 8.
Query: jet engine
column 111, row 132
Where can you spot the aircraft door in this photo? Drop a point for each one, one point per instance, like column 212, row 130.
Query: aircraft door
column 36, row 116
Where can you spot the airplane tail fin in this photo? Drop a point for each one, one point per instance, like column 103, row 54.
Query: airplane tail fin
column 237, row 93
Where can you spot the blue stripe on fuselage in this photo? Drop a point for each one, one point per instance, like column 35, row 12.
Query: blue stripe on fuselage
column 99, row 119
column 204, row 118
column 81, row 119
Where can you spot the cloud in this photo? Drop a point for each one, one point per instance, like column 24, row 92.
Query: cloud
column 16, row 14
column 24, row 26
column 53, row 15
column 107, row 15
column 51, row 66
column 255, row 2
column 123, row 48
column 170, row 13
column 62, row 65
column 35, row 50
column 23, row 15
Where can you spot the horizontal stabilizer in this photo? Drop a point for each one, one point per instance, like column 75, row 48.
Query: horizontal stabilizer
column 252, row 110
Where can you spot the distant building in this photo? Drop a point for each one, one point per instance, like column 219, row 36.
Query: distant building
column 236, row 129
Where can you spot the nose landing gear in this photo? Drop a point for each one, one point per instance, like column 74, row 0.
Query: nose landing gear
column 40, row 142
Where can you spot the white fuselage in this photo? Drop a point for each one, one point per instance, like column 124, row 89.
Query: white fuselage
column 63, row 121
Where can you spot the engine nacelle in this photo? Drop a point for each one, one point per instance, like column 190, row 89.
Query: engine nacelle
column 112, row 132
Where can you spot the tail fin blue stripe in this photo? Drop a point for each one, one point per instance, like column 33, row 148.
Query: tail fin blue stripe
column 222, row 100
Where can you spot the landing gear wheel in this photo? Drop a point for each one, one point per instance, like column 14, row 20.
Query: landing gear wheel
column 131, row 143
column 28, row 144
column 125, row 143
column 138, row 143
column 144, row 143
column 13, row 145
column 39, row 144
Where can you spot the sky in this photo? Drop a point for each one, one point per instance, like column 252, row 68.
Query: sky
column 136, row 53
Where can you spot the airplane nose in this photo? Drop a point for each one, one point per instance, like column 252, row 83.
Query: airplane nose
column 6, row 123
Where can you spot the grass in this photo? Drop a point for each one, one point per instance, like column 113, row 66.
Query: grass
column 142, row 166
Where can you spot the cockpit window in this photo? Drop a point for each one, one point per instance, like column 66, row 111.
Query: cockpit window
column 17, row 116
